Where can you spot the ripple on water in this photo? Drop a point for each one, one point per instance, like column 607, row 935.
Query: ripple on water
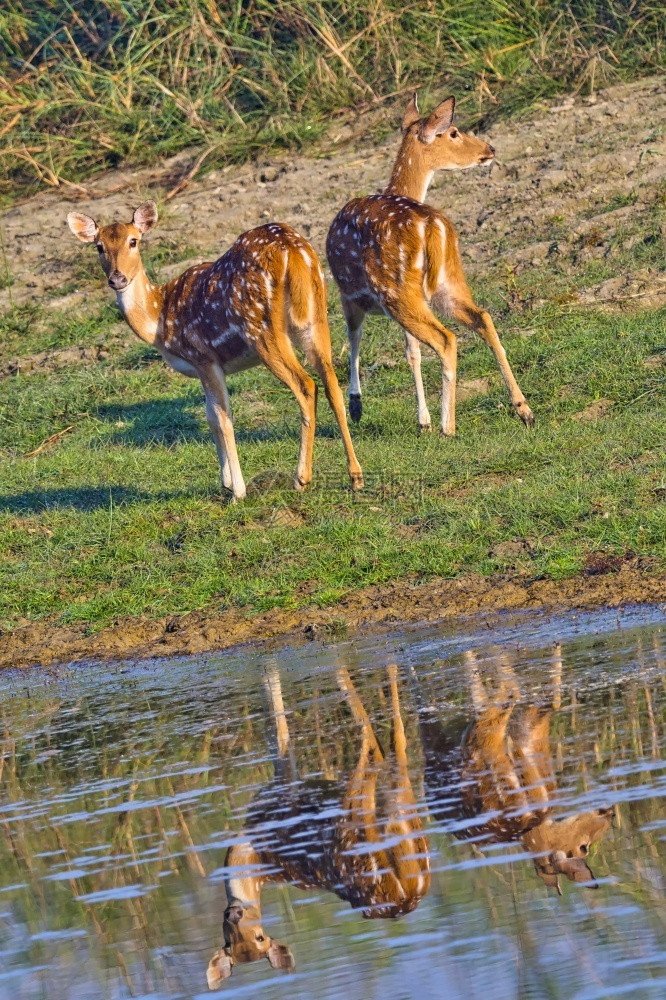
column 499, row 792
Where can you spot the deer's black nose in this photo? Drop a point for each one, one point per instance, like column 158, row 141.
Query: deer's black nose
column 492, row 150
column 117, row 281
column 234, row 912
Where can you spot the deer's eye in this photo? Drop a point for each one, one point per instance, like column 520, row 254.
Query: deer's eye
column 132, row 242
column 454, row 133
column 260, row 938
column 583, row 848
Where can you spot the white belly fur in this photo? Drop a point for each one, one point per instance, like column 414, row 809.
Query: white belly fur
column 243, row 361
column 178, row 364
column 247, row 360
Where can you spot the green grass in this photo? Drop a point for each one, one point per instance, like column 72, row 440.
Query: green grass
column 84, row 86
column 124, row 514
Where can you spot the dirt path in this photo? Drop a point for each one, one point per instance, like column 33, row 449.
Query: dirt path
column 573, row 164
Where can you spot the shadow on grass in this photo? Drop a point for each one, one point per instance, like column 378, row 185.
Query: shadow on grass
column 170, row 421
column 85, row 498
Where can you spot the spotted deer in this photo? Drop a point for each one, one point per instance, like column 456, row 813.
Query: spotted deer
column 391, row 253
column 361, row 839
column 498, row 777
column 262, row 297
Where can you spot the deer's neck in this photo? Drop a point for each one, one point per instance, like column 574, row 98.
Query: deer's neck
column 245, row 885
column 411, row 176
column 141, row 304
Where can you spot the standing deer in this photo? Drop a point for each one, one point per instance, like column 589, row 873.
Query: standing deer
column 265, row 294
column 392, row 254
column 362, row 840
column 500, row 773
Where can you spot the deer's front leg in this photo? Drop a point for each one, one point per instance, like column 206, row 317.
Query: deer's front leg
column 413, row 355
column 219, row 443
column 218, row 415
column 425, row 327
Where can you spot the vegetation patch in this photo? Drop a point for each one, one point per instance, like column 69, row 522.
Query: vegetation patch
column 84, row 86
column 111, row 503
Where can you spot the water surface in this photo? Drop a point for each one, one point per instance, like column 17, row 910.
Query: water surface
column 425, row 814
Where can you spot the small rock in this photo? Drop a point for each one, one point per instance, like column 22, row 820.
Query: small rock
column 469, row 388
column 511, row 548
column 553, row 178
column 595, row 410
column 498, row 171
column 282, row 517
column 270, row 174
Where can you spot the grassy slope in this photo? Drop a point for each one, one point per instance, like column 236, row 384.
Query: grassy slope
column 124, row 515
column 91, row 85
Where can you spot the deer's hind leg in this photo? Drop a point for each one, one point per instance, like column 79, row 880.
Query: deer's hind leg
column 354, row 316
column 359, row 801
column 319, row 349
column 463, row 308
column 278, row 355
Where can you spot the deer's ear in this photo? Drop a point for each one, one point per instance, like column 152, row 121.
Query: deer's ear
column 145, row 216
column 438, row 121
column 83, row 227
column 219, row 968
column 280, row 957
column 412, row 113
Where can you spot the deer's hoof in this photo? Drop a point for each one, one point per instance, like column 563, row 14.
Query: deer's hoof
column 525, row 414
column 425, row 428
column 300, row 485
column 355, row 407
column 357, row 482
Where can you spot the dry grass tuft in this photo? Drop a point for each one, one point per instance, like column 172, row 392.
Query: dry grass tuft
column 88, row 85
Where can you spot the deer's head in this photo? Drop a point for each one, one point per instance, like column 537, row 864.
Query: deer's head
column 564, row 845
column 435, row 143
column 117, row 244
column 245, row 941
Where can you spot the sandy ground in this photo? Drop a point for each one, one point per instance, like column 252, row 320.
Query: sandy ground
column 578, row 158
column 587, row 169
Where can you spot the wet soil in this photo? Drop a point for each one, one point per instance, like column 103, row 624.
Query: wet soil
column 605, row 583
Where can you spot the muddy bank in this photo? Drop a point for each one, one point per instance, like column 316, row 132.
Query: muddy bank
column 46, row 643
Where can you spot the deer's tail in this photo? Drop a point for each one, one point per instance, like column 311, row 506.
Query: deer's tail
column 306, row 288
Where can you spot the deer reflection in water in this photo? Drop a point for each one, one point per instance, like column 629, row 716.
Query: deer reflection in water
column 501, row 772
column 362, row 840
